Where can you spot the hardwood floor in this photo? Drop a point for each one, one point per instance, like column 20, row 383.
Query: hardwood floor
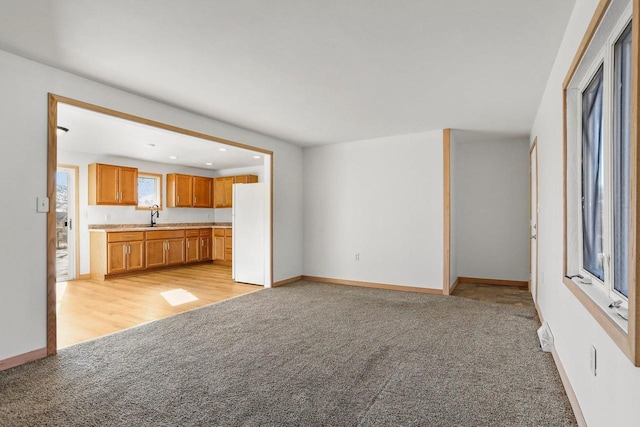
column 510, row 295
column 89, row 309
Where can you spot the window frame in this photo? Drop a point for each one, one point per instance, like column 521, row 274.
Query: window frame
column 158, row 179
column 627, row 340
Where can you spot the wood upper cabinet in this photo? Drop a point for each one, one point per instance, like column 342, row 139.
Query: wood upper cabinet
column 202, row 192
column 112, row 185
column 188, row 191
column 223, row 192
column 179, row 190
column 223, row 189
column 246, row 179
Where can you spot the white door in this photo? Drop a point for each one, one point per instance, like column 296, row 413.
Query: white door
column 249, row 233
column 65, row 224
column 533, row 219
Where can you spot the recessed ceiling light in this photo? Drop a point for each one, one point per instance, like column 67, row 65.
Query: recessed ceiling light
column 223, row 149
column 173, row 157
column 150, row 145
column 208, row 163
column 257, row 157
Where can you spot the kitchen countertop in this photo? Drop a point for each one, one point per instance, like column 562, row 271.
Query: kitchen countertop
column 167, row 226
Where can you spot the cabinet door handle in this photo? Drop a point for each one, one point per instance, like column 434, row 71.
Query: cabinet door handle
column 178, row 201
column 195, row 200
column 188, row 244
column 201, row 242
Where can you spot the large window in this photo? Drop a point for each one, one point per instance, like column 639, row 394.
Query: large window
column 601, row 223
column 621, row 161
column 603, row 137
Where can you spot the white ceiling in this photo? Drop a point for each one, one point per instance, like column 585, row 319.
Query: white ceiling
column 309, row 71
column 92, row 132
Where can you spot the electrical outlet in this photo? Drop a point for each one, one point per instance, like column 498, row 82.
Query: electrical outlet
column 593, row 360
column 107, row 217
column 357, row 256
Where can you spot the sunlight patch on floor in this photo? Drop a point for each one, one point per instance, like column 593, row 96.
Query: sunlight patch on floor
column 178, row 297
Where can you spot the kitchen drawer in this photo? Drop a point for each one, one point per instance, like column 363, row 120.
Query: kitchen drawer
column 228, row 232
column 218, row 232
column 124, row 236
column 192, row 233
column 165, row 234
column 205, row 232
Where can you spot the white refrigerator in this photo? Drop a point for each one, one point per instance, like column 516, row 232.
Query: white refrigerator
column 249, row 233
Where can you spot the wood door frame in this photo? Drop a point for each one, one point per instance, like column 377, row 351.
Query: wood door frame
column 76, row 213
column 534, row 146
column 446, row 191
column 52, row 160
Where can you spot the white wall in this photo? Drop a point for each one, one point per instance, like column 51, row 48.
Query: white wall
column 380, row 198
column 611, row 397
column 491, row 199
column 23, row 177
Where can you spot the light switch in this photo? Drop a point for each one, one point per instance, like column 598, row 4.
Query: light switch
column 43, row 204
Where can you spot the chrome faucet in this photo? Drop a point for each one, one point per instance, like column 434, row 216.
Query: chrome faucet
column 155, row 214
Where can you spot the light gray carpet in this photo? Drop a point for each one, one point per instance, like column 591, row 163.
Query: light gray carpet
column 303, row 354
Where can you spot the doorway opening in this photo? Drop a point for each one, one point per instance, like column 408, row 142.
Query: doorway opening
column 109, row 147
column 66, row 214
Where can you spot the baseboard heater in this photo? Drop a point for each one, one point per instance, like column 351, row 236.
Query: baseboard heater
column 545, row 337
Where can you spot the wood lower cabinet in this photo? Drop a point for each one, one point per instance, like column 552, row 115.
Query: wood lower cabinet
column 193, row 246
column 165, row 247
column 223, row 245
column 198, row 245
column 218, row 244
column 119, row 252
column 228, row 244
column 116, row 253
column 205, row 244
